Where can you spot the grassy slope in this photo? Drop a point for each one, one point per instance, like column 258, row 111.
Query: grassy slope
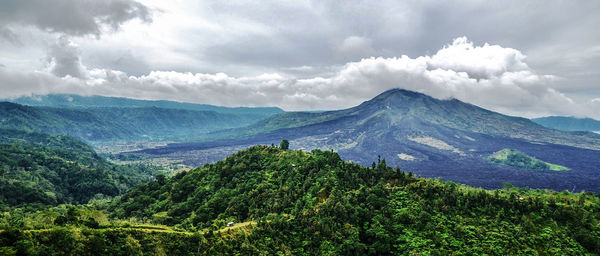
column 521, row 160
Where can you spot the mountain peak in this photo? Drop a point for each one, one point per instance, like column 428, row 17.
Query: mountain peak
column 398, row 92
column 399, row 99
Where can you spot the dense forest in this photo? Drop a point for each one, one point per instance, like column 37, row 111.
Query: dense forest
column 286, row 202
column 54, row 169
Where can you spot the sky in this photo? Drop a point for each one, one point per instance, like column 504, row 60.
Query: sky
column 523, row 58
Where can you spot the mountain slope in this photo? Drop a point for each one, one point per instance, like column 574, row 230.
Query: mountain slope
column 435, row 138
column 397, row 107
column 119, row 123
column 566, row 123
column 50, row 169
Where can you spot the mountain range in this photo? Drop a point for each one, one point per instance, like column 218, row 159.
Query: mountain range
column 77, row 101
column 101, row 119
column 431, row 137
column 569, row 123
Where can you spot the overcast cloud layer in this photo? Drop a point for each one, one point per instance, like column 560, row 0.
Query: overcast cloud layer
column 530, row 59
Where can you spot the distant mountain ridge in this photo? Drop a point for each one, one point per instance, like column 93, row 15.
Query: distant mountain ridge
column 432, row 137
column 569, row 123
column 77, row 101
column 121, row 123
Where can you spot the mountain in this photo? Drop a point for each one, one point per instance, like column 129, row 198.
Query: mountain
column 566, row 123
column 51, row 169
column 431, row 137
column 76, row 101
column 120, row 123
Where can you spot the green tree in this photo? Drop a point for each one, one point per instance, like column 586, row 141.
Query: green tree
column 284, row 144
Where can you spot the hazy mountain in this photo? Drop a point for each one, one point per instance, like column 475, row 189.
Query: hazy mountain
column 76, row 101
column 432, row 137
column 121, row 123
column 567, row 123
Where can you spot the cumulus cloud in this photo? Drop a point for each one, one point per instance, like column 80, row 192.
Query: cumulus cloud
column 490, row 76
column 483, row 62
column 71, row 17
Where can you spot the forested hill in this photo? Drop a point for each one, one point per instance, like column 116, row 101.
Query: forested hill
column 120, row 123
column 52, row 169
column 315, row 203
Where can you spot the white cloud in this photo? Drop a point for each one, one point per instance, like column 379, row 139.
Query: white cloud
column 490, row 76
column 482, row 62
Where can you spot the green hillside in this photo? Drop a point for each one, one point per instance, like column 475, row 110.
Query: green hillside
column 521, row 160
column 310, row 203
column 315, row 203
column 51, row 169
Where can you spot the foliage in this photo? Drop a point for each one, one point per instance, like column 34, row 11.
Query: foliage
column 284, row 144
column 315, row 203
column 49, row 169
column 300, row 203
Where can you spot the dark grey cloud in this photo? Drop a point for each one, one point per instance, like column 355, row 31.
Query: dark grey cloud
column 71, row 17
column 313, row 33
column 9, row 36
column 63, row 59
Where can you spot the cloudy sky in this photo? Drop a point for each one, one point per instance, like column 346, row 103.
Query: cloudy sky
column 525, row 58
